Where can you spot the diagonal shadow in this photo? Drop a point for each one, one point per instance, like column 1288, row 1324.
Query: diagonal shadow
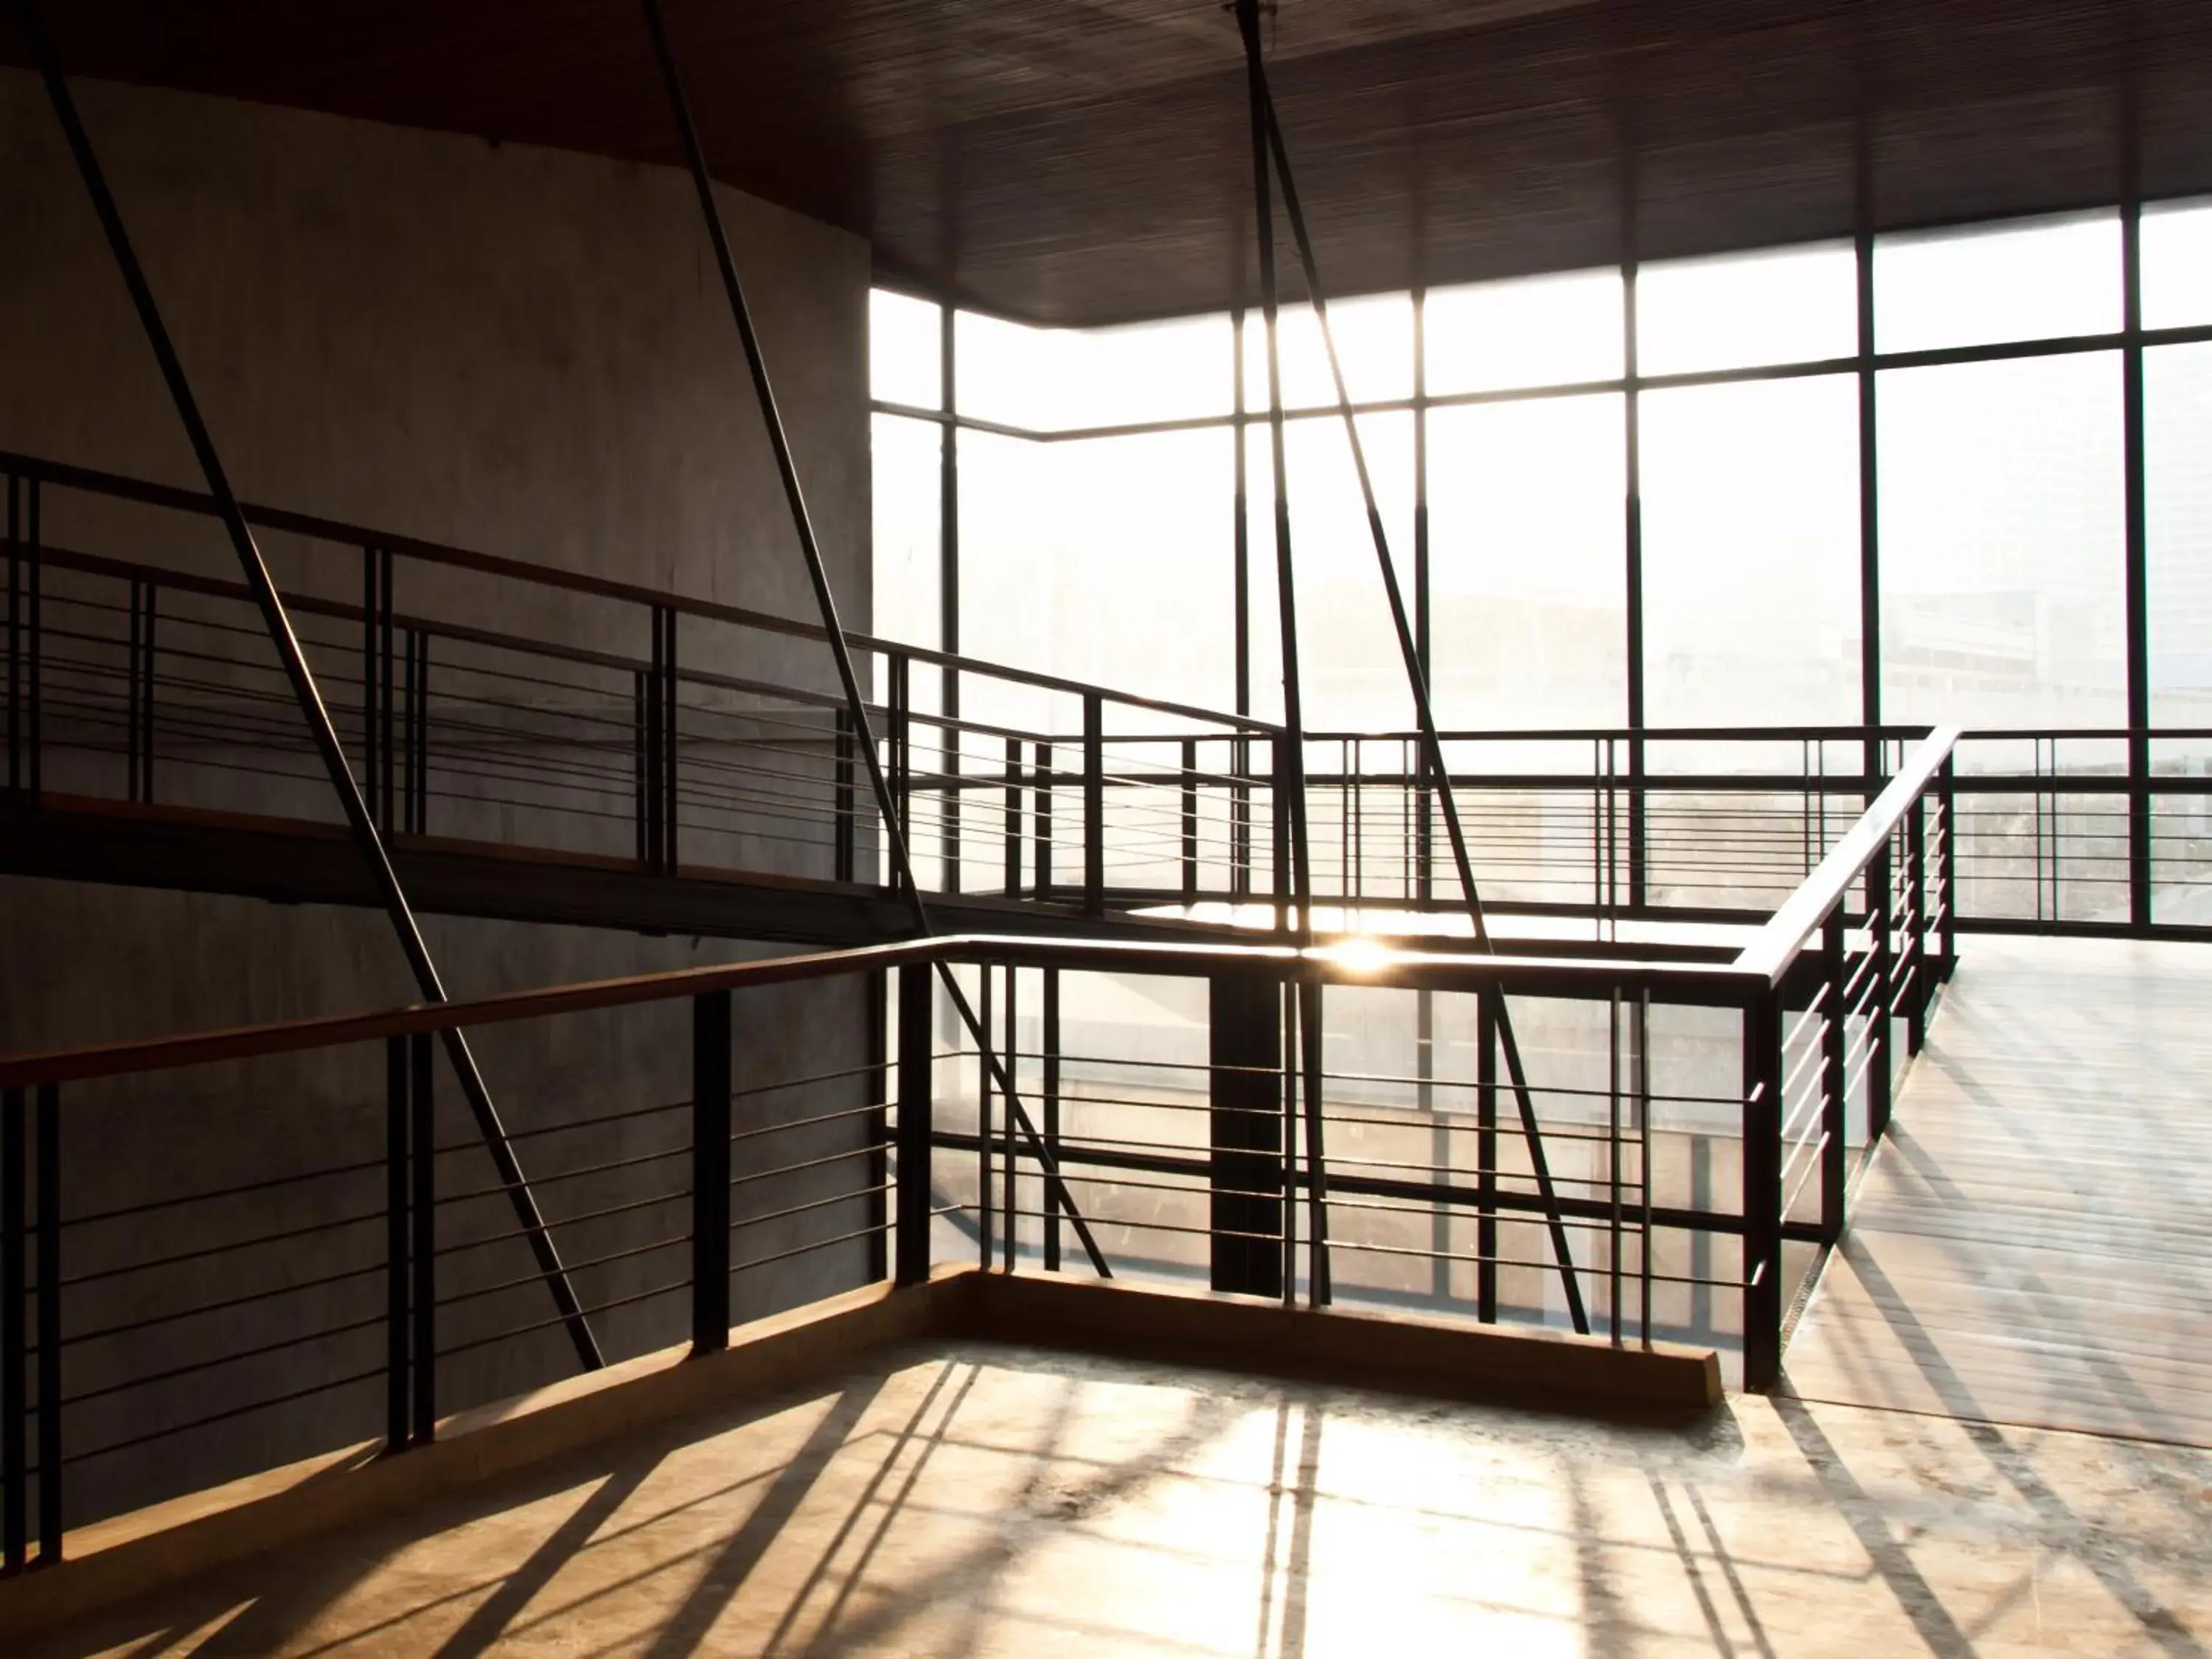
column 484, row 1626
column 1210, row 1417
column 2155, row 1617
column 1297, row 1570
column 687, row 1627
column 905, row 1436
column 1927, row 1612
column 1608, row 1625
column 1688, row 1558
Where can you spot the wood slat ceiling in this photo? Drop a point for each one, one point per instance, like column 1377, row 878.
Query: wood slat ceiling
column 1086, row 160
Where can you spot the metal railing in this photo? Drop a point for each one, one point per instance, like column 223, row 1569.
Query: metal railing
column 167, row 1322
column 612, row 722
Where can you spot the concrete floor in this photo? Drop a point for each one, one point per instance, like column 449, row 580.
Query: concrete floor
column 974, row 1499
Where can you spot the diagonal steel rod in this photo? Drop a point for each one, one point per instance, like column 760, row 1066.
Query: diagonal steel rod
column 304, row 689
column 1292, row 773
column 803, row 522
column 1432, row 745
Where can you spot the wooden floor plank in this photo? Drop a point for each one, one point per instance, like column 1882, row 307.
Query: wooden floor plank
column 2033, row 1245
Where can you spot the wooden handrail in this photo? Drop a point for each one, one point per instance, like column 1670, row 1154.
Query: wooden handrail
column 1701, row 982
column 1775, row 945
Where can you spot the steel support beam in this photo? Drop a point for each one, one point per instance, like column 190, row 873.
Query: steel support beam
column 1431, row 747
column 301, row 676
column 810, row 547
column 1291, row 771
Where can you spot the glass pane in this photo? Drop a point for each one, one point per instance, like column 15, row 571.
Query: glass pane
column 1751, row 554
column 1171, row 371
column 2020, row 281
column 1527, row 564
column 1004, row 371
column 2177, row 265
column 905, row 350
column 1107, row 560
column 1049, row 380
column 904, row 455
column 2178, row 505
column 1797, row 305
column 1351, row 672
column 2001, row 542
column 1536, row 331
column 1373, row 342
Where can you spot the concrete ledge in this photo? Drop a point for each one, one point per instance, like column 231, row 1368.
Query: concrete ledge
column 1403, row 1353
column 116, row 1560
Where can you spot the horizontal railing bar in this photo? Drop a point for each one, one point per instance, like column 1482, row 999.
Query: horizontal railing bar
column 1527, row 974
column 1785, row 932
column 316, row 528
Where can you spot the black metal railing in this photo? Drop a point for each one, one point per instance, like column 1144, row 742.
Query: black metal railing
column 616, row 722
column 167, row 1321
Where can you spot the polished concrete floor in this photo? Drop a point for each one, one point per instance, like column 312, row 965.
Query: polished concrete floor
column 1995, row 1447
column 978, row 1500
column 2033, row 1245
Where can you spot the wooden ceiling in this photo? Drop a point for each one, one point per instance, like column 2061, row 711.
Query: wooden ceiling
column 1086, row 160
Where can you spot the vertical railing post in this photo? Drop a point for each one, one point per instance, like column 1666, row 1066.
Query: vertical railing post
column 1240, row 809
column 710, row 1172
column 1762, row 1192
column 48, row 1182
column 15, row 1463
column 1880, row 896
column 1946, row 869
column 916, row 1085
column 1051, row 1021
column 387, row 761
column 984, row 1039
column 844, row 833
column 1094, row 804
column 643, row 721
column 396, row 1121
column 668, row 706
column 1013, row 808
column 875, row 989
column 1919, row 981
column 899, row 737
column 1043, row 861
column 1835, row 1152
column 14, row 632
column 422, row 1225
column 1190, row 820
column 25, row 633
column 1486, row 1159
column 369, row 658
column 414, row 818
column 144, row 783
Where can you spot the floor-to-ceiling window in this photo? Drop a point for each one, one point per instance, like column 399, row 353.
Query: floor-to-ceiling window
column 1525, row 476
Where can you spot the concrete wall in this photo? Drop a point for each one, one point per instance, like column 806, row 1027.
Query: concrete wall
column 512, row 349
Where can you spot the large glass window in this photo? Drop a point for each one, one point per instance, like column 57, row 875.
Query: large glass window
column 1374, row 344
column 906, row 350
column 1351, row 670
column 1995, row 282
column 2003, row 538
column 906, row 462
column 1105, row 559
column 2177, row 265
column 2178, row 501
column 1751, row 554
column 1794, row 305
column 1537, row 330
column 1528, row 563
